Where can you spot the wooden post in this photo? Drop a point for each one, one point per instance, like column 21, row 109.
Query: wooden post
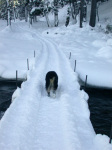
column 70, row 55
column 85, row 82
column 34, row 54
column 110, row 133
column 16, row 77
column 27, row 64
column 75, row 66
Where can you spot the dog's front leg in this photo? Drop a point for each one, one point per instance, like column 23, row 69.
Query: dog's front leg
column 48, row 91
column 54, row 93
column 48, row 94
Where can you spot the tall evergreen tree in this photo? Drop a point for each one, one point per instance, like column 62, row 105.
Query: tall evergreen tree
column 3, row 9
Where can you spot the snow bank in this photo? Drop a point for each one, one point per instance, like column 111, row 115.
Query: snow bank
column 92, row 52
column 15, row 48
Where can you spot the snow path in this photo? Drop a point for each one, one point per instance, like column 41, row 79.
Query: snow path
column 37, row 122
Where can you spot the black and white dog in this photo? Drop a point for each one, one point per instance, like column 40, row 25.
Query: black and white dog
column 51, row 82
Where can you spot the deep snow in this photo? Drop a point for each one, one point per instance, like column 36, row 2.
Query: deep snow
column 91, row 48
column 35, row 121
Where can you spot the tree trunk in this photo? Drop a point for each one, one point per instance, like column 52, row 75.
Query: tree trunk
column 93, row 13
column 47, row 19
column 9, row 17
column 81, row 12
column 26, row 14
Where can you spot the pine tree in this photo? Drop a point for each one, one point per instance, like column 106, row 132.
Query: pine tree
column 3, row 9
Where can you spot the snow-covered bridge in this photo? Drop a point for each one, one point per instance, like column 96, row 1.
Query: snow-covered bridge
column 35, row 121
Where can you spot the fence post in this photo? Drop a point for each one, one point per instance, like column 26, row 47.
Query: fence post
column 34, row 53
column 85, row 82
column 110, row 134
column 16, row 77
column 75, row 66
column 27, row 64
column 70, row 55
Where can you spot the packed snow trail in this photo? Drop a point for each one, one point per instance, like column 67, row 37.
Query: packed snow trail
column 35, row 121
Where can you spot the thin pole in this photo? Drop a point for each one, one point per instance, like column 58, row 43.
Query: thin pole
column 70, row 55
column 16, row 77
column 34, row 53
column 75, row 66
column 110, row 133
column 86, row 82
column 27, row 64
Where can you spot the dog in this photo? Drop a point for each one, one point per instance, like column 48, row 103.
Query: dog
column 51, row 82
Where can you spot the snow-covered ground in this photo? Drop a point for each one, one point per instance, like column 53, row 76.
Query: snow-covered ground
column 35, row 121
column 90, row 48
